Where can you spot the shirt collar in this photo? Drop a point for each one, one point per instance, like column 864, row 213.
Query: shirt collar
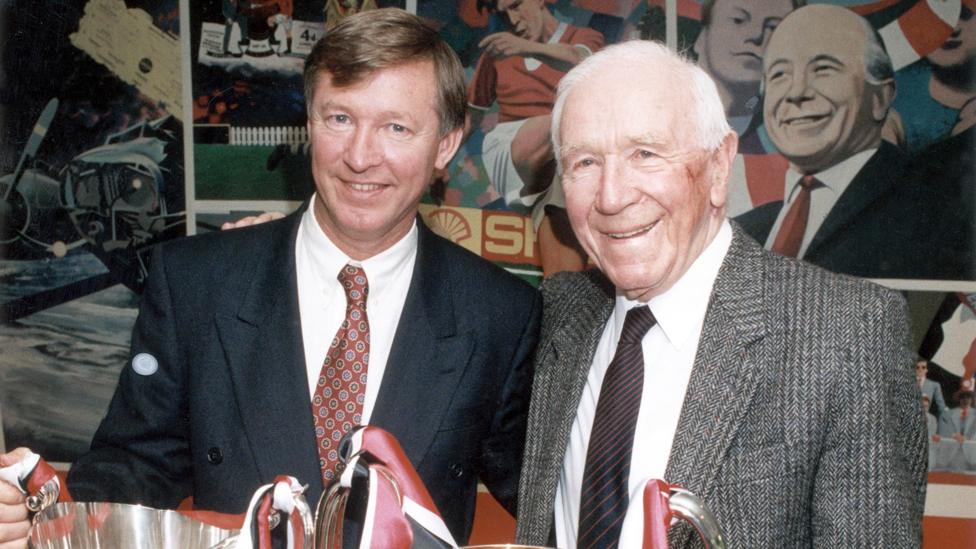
column 327, row 259
column 836, row 177
column 680, row 310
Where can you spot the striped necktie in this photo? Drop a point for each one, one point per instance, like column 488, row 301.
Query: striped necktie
column 604, row 498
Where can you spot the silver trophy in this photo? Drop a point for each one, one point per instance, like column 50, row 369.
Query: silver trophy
column 86, row 525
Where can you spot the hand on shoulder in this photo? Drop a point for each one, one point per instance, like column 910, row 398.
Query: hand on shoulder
column 252, row 220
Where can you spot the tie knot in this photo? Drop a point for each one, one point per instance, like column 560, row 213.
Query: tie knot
column 636, row 324
column 353, row 280
column 810, row 182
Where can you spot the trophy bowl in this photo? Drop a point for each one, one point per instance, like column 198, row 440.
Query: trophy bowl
column 75, row 525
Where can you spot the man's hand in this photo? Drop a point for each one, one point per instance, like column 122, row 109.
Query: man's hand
column 13, row 512
column 506, row 44
column 251, row 220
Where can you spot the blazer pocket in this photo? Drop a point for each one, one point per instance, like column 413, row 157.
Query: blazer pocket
column 750, row 464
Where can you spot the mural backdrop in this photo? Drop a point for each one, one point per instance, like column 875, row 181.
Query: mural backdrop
column 93, row 140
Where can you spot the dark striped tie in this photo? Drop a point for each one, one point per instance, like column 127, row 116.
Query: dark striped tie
column 604, row 497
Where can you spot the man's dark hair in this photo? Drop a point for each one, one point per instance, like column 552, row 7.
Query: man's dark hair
column 378, row 39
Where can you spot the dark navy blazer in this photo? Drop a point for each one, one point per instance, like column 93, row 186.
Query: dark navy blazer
column 229, row 409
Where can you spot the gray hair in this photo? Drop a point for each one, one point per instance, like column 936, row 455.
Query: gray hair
column 877, row 63
column 710, row 125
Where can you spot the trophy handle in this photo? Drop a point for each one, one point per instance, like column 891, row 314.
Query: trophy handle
column 283, row 497
column 690, row 508
column 331, row 510
column 36, row 479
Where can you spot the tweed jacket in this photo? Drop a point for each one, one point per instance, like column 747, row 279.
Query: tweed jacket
column 800, row 426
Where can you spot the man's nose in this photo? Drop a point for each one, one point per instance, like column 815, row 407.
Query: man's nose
column 615, row 191
column 363, row 151
column 757, row 33
column 798, row 89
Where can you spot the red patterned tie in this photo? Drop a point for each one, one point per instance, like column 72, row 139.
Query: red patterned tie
column 341, row 390
column 794, row 225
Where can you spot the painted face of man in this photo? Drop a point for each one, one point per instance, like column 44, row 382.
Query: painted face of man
column 643, row 199
column 819, row 107
column 375, row 145
column 524, row 17
column 731, row 47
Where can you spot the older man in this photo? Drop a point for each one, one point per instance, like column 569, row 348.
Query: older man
column 848, row 205
column 236, row 373
column 695, row 356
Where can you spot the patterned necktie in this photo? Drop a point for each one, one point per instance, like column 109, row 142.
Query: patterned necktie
column 341, row 390
column 604, row 498
column 794, row 225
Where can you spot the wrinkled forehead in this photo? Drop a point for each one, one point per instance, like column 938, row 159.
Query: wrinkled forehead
column 618, row 104
column 800, row 39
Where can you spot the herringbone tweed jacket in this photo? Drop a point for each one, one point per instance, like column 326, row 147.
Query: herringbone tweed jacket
column 801, row 425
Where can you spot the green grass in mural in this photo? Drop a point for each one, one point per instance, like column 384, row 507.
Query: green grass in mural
column 239, row 172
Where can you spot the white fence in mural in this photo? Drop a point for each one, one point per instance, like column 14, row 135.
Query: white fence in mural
column 268, row 135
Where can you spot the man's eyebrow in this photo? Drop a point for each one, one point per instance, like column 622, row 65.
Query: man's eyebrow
column 569, row 150
column 647, row 139
column 827, row 57
column 776, row 63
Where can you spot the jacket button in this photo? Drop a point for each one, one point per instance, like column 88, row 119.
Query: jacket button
column 457, row 469
column 215, row 456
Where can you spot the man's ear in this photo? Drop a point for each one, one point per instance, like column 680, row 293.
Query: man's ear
column 447, row 146
column 882, row 96
column 721, row 162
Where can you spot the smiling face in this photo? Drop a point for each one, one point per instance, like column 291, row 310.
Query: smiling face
column 643, row 200
column 731, row 46
column 375, row 145
column 819, row 108
column 525, row 18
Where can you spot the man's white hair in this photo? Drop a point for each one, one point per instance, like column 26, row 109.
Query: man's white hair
column 708, row 115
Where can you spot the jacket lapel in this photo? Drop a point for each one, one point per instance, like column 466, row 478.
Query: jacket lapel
column 570, row 337
column 426, row 336
column 262, row 342
column 876, row 180
column 723, row 378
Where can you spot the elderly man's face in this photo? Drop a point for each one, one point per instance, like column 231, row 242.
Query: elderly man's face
column 642, row 198
column 731, row 47
column 960, row 48
column 819, row 108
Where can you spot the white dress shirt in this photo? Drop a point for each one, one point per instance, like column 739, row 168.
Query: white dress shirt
column 322, row 300
column 669, row 354
column 835, row 181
